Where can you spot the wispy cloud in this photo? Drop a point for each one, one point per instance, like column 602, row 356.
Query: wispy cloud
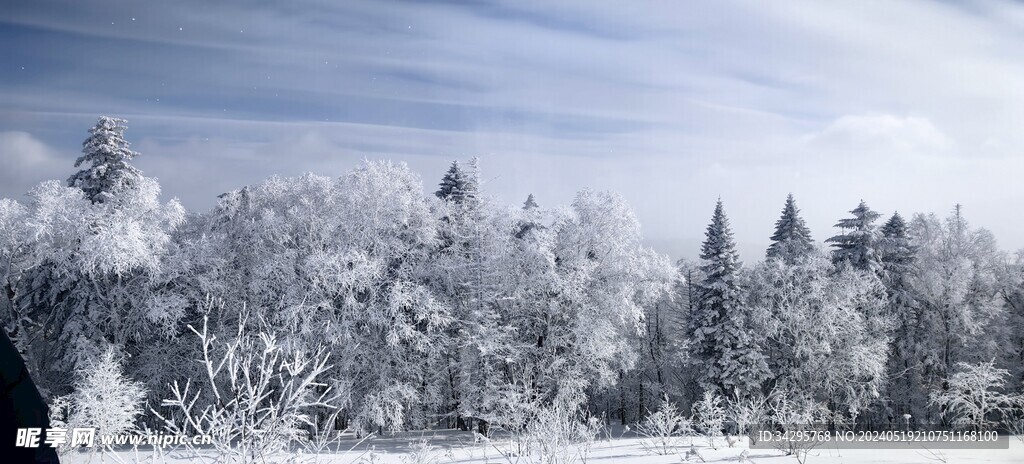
column 673, row 104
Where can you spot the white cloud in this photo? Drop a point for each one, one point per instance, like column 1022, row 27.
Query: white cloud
column 25, row 161
column 882, row 133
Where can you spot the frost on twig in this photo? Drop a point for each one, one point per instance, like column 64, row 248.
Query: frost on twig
column 260, row 398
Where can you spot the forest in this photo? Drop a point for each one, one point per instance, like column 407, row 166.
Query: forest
column 372, row 303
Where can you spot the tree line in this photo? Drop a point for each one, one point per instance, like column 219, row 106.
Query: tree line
column 452, row 310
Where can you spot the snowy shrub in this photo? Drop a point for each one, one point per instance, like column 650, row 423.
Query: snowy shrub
column 558, row 433
column 664, row 429
column 709, row 416
column 512, row 408
column 1015, row 426
column 747, row 412
column 421, row 452
column 973, row 396
column 263, row 399
column 790, row 411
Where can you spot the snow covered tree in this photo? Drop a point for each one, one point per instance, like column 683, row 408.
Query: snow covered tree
column 1011, row 291
column 709, row 416
column 106, row 156
column 896, row 249
column 858, row 241
column 572, row 296
column 98, row 251
column 254, row 398
column 827, row 335
column 595, row 285
column 458, row 185
column 974, row 396
column 664, row 429
column 792, row 239
column 342, row 262
column 104, row 398
column 904, row 372
column 19, row 253
column 722, row 342
column 530, row 218
column 660, row 368
column 962, row 318
column 463, row 277
column 530, row 203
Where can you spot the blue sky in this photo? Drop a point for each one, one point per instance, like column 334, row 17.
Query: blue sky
column 911, row 105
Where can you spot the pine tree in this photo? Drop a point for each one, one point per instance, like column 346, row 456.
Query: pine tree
column 106, row 154
column 896, row 250
column 463, row 236
column 792, row 238
column 897, row 257
column 530, row 218
column 529, row 203
column 732, row 363
column 857, row 244
column 458, row 185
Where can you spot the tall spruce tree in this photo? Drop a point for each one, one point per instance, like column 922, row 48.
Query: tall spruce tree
column 530, row 203
column 530, row 218
column 462, row 239
column 792, row 239
column 732, row 363
column 897, row 257
column 858, row 241
column 106, row 156
column 896, row 250
column 458, row 185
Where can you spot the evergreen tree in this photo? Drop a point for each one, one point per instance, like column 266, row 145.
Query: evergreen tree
column 529, row 203
column 897, row 257
column 464, row 234
column 719, row 327
column 105, row 153
column 530, row 218
column 896, row 250
column 858, row 241
column 112, row 240
column 458, row 185
column 792, row 238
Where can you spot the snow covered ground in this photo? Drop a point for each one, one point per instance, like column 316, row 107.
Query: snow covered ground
column 449, row 446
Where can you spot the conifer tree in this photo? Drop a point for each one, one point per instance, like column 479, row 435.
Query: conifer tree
column 106, row 156
column 464, row 233
column 732, row 364
column 530, row 218
column 897, row 257
column 530, row 203
column 858, row 241
column 458, row 185
column 792, row 238
column 896, row 250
